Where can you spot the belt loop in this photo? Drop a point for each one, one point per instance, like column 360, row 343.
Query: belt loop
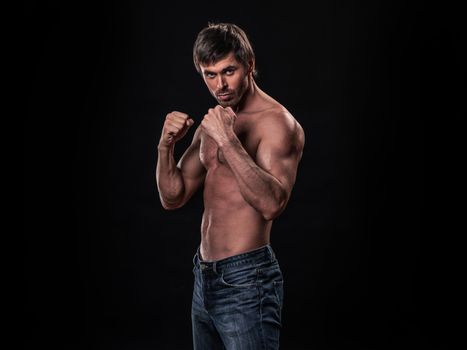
column 271, row 253
column 214, row 266
column 195, row 257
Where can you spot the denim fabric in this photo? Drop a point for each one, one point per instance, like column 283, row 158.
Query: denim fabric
column 237, row 301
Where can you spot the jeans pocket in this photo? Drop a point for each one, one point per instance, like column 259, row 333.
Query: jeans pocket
column 240, row 277
column 279, row 291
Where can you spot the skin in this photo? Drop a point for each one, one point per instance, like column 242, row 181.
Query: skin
column 245, row 151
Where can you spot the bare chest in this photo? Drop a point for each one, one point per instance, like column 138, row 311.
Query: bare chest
column 211, row 155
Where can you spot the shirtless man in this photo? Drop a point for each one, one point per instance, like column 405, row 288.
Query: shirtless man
column 245, row 152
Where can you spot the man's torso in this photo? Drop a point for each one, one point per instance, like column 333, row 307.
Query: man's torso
column 230, row 225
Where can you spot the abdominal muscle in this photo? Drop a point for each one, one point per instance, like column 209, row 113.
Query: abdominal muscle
column 230, row 225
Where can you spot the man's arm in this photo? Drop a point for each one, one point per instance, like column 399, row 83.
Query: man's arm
column 267, row 183
column 177, row 183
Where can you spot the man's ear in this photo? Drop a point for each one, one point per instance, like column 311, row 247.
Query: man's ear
column 251, row 66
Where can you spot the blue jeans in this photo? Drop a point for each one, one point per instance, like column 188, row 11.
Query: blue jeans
column 237, row 301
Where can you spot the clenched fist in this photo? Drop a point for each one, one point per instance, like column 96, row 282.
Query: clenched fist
column 175, row 127
column 218, row 123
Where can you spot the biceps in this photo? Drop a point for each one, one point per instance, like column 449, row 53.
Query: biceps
column 192, row 170
column 279, row 164
column 285, row 171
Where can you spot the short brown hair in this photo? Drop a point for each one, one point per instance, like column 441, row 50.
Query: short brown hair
column 217, row 40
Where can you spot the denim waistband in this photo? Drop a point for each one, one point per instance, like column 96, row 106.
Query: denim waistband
column 256, row 256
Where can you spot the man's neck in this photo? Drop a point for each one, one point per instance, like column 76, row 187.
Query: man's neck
column 247, row 98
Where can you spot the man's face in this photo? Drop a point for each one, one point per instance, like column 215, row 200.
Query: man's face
column 227, row 80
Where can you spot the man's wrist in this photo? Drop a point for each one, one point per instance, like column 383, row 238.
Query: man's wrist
column 164, row 147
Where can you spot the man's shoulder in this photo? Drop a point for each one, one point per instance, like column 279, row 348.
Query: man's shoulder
column 278, row 121
column 279, row 114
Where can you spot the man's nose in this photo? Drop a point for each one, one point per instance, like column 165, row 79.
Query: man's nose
column 221, row 82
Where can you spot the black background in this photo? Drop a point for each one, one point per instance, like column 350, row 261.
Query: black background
column 377, row 87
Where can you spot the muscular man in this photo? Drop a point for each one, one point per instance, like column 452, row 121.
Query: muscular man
column 245, row 152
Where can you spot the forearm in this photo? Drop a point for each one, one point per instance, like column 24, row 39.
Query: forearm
column 169, row 178
column 260, row 189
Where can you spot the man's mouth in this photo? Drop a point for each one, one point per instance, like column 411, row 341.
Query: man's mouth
column 224, row 96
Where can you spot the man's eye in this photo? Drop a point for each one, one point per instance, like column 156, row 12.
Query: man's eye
column 210, row 75
column 229, row 72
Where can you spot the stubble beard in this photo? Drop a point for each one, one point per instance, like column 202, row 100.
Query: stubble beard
column 237, row 96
